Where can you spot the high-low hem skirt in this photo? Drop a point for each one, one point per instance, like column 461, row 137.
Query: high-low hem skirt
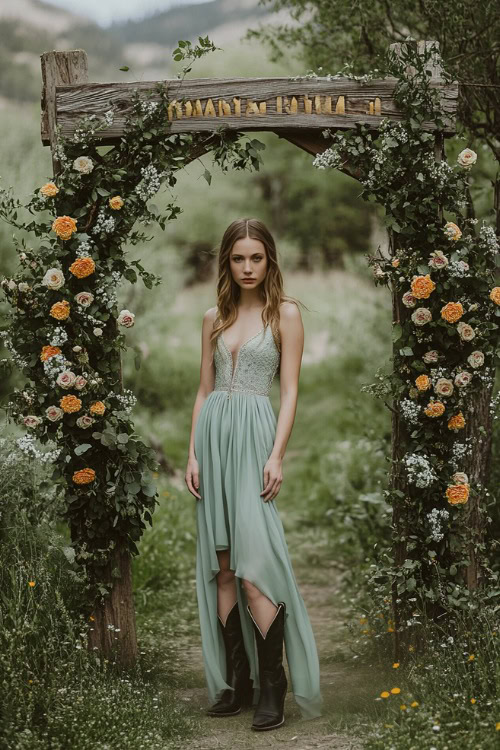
column 233, row 440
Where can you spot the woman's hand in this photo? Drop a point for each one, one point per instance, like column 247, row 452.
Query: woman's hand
column 273, row 477
column 192, row 477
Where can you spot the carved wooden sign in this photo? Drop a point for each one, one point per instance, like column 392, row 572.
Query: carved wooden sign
column 203, row 104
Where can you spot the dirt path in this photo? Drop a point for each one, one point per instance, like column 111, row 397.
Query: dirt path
column 345, row 686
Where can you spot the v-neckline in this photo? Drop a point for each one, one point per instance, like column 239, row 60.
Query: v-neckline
column 234, row 363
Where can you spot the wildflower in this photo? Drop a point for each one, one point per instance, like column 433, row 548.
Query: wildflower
column 31, row 583
column 384, row 694
column 395, row 690
column 395, row 665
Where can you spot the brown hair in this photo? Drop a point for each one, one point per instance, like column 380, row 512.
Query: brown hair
column 228, row 292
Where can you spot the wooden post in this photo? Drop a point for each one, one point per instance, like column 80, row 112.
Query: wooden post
column 113, row 631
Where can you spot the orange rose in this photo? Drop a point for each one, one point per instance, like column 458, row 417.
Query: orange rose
column 423, row 382
column 116, row 202
column 98, row 407
column 84, row 476
column 422, row 286
column 64, row 226
column 70, row 403
column 395, row 262
column 457, row 493
column 82, row 267
column 434, row 409
column 49, row 189
column 49, row 351
column 457, row 422
column 60, row 310
column 495, row 295
column 452, row 312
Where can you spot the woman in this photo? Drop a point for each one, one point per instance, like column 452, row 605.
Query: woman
column 248, row 599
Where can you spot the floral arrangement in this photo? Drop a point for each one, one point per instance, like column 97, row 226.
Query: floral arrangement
column 66, row 331
column 442, row 276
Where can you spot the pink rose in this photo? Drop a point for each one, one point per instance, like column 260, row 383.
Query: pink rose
column 463, row 378
column 430, row 356
column 126, row 318
column 54, row 413
column 80, row 382
column 66, row 379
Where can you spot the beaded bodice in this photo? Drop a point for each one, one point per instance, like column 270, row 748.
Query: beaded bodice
column 256, row 364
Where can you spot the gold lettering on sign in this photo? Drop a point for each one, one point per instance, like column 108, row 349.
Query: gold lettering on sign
column 262, row 108
column 340, row 106
column 210, row 109
column 197, row 108
column 279, row 104
column 174, row 104
column 307, row 105
column 378, row 106
column 237, row 106
column 188, row 109
column 252, row 108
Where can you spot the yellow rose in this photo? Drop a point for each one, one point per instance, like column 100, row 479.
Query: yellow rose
column 434, row 409
column 457, row 422
column 423, row 382
column 495, row 295
column 116, row 202
column 70, row 403
column 84, row 476
column 452, row 231
column 49, row 351
column 49, row 189
column 82, row 267
column 457, row 493
column 64, row 226
column 422, row 286
column 60, row 310
column 98, row 407
column 452, row 312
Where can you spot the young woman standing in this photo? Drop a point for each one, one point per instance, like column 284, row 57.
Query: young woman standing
column 248, row 599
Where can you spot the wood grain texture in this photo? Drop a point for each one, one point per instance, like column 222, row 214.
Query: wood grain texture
column 359, row 101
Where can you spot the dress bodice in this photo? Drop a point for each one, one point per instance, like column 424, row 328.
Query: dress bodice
column 256, row 364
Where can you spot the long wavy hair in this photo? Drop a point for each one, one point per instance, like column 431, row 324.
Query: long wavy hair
column 228, row 291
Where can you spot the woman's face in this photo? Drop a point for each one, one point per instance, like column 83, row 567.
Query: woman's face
column 248, row 260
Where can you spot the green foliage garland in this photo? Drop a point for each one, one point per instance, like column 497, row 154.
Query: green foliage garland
column 447, row 339
column 64, row 321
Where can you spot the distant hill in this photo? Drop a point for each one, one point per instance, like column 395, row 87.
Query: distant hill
column 30, row 27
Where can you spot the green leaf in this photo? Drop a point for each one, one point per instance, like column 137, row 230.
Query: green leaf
column 407, row 351
column 122, row 437
column 124, row 67
column 149, row 490
column 102, row 192
column 82, row 448
column 397, row 332
column 207, row 176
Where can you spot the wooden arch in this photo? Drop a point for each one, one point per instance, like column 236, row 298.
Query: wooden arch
column 297, row 109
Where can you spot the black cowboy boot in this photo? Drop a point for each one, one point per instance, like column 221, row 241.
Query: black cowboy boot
column 237, row 669
column 273, row 683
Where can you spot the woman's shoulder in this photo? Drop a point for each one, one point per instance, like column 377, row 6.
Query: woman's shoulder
column 289, row 310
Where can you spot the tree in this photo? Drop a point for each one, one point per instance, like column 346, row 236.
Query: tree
column 326, row 33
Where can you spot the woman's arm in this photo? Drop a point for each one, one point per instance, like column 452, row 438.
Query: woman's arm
column 292, row 347
column 207, row 382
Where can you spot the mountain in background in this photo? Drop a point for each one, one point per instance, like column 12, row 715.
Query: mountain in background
column 30, row 27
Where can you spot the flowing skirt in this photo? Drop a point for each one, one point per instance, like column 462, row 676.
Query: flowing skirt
column 233, row 440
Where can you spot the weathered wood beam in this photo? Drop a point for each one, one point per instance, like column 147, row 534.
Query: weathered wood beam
column 246, row 104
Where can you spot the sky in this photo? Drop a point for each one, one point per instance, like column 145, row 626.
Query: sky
column 104, row 12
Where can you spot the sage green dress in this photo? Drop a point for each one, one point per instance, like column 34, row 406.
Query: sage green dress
column 234, row 436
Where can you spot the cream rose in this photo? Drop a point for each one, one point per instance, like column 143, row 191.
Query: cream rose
column 12, row 285
column 126, row 318
column 83, row 164
column 80, row 382
column 66, row 379
column 438, row 259
column 85, row 421
column 421, row 316
column 84, row 298
column 53, row 278
column 463, row 378
column 97, row 331
column 77, row 348
column 467, row 158
column 460, row 477
column 54, row 413
column 465, row 331
column 430, row 356
column 32, row 420
column 444, row 387
column 409, row 300
column 476, row 359
column 23, row 286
